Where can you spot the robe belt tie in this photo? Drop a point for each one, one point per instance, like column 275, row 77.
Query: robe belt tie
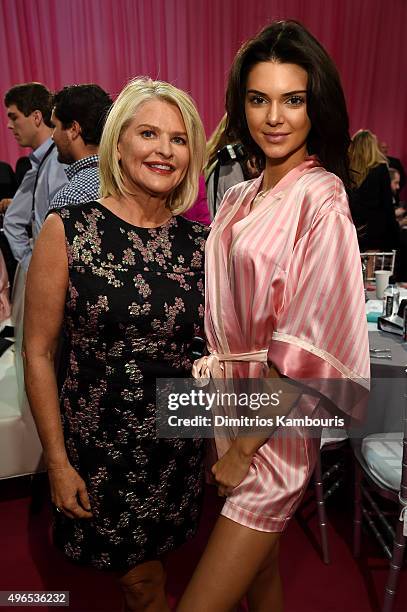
column 210, row 366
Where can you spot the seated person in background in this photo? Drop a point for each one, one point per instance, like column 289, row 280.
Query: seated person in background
column 395, row 185
column 399, row 207
column 371, row 200
column 393, row 162
column 78, row 118
column 401, row 216
column 402, row 271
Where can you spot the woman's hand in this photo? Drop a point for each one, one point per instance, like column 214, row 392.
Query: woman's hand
column 230, row 470
column 68, row 492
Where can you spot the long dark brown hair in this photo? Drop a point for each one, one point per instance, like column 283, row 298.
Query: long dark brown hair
column 289, row 42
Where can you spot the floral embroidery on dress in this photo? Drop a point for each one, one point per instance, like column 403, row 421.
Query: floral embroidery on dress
column 135, row 300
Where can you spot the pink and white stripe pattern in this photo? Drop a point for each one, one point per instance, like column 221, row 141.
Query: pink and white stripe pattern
column 286, row 276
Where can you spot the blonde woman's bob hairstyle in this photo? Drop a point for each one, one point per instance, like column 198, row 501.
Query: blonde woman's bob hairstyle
column 364, row 154
column 138, row 92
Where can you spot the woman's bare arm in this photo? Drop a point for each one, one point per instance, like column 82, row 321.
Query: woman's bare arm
column 47, row 283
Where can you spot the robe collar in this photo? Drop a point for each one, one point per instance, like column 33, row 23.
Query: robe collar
column 242, row 206
column 292, row 176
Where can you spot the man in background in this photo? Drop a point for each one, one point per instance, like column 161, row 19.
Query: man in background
column 400, row 210
column 395, row 185
column 399, row 207
column 78, row 118
column 29, row 109
column 394, row 162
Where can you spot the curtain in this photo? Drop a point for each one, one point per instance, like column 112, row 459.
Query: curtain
column 191, row 43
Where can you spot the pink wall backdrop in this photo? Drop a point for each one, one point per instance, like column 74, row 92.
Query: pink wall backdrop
column 191, row 43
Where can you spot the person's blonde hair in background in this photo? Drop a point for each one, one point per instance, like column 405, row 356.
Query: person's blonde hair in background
column 217, row 141
column 137, row 92
column 220, row 176
column 364, row 154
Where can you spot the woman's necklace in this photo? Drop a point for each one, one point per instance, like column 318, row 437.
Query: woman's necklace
column 259, row 197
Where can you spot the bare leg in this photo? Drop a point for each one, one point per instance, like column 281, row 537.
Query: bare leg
column 265, row 593
column 234, row 557
column 143, row 588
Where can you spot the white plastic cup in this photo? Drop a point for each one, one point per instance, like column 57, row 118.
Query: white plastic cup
column 382, row 280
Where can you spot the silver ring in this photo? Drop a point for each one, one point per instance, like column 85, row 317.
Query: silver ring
column 58, row 509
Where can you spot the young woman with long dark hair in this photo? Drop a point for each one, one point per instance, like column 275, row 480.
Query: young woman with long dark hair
column 284, row 299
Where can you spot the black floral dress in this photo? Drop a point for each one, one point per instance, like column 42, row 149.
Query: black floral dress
column 134, row 303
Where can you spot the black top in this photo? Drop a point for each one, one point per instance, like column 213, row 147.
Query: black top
column 372, row 209
column 395, row 163
column 7, row 181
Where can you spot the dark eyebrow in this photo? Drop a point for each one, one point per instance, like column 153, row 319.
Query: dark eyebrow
column 293, row 93
column 154, row 127
column 255, row 91
column 285, row 95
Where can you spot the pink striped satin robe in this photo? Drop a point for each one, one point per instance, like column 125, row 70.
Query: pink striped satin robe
column 285, row 278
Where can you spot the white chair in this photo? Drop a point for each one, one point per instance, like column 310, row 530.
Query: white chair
column 20, row 447
column 381, row 468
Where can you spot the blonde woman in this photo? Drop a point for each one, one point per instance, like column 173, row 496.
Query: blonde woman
column 124, row 276
column 371, row 201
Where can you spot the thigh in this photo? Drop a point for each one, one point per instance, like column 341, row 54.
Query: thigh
column 233, row 557
column 265, row 592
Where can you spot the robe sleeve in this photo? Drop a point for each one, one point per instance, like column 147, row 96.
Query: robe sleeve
column 320, row 337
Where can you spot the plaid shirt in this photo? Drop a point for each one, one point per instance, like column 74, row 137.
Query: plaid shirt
column 83, row 184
